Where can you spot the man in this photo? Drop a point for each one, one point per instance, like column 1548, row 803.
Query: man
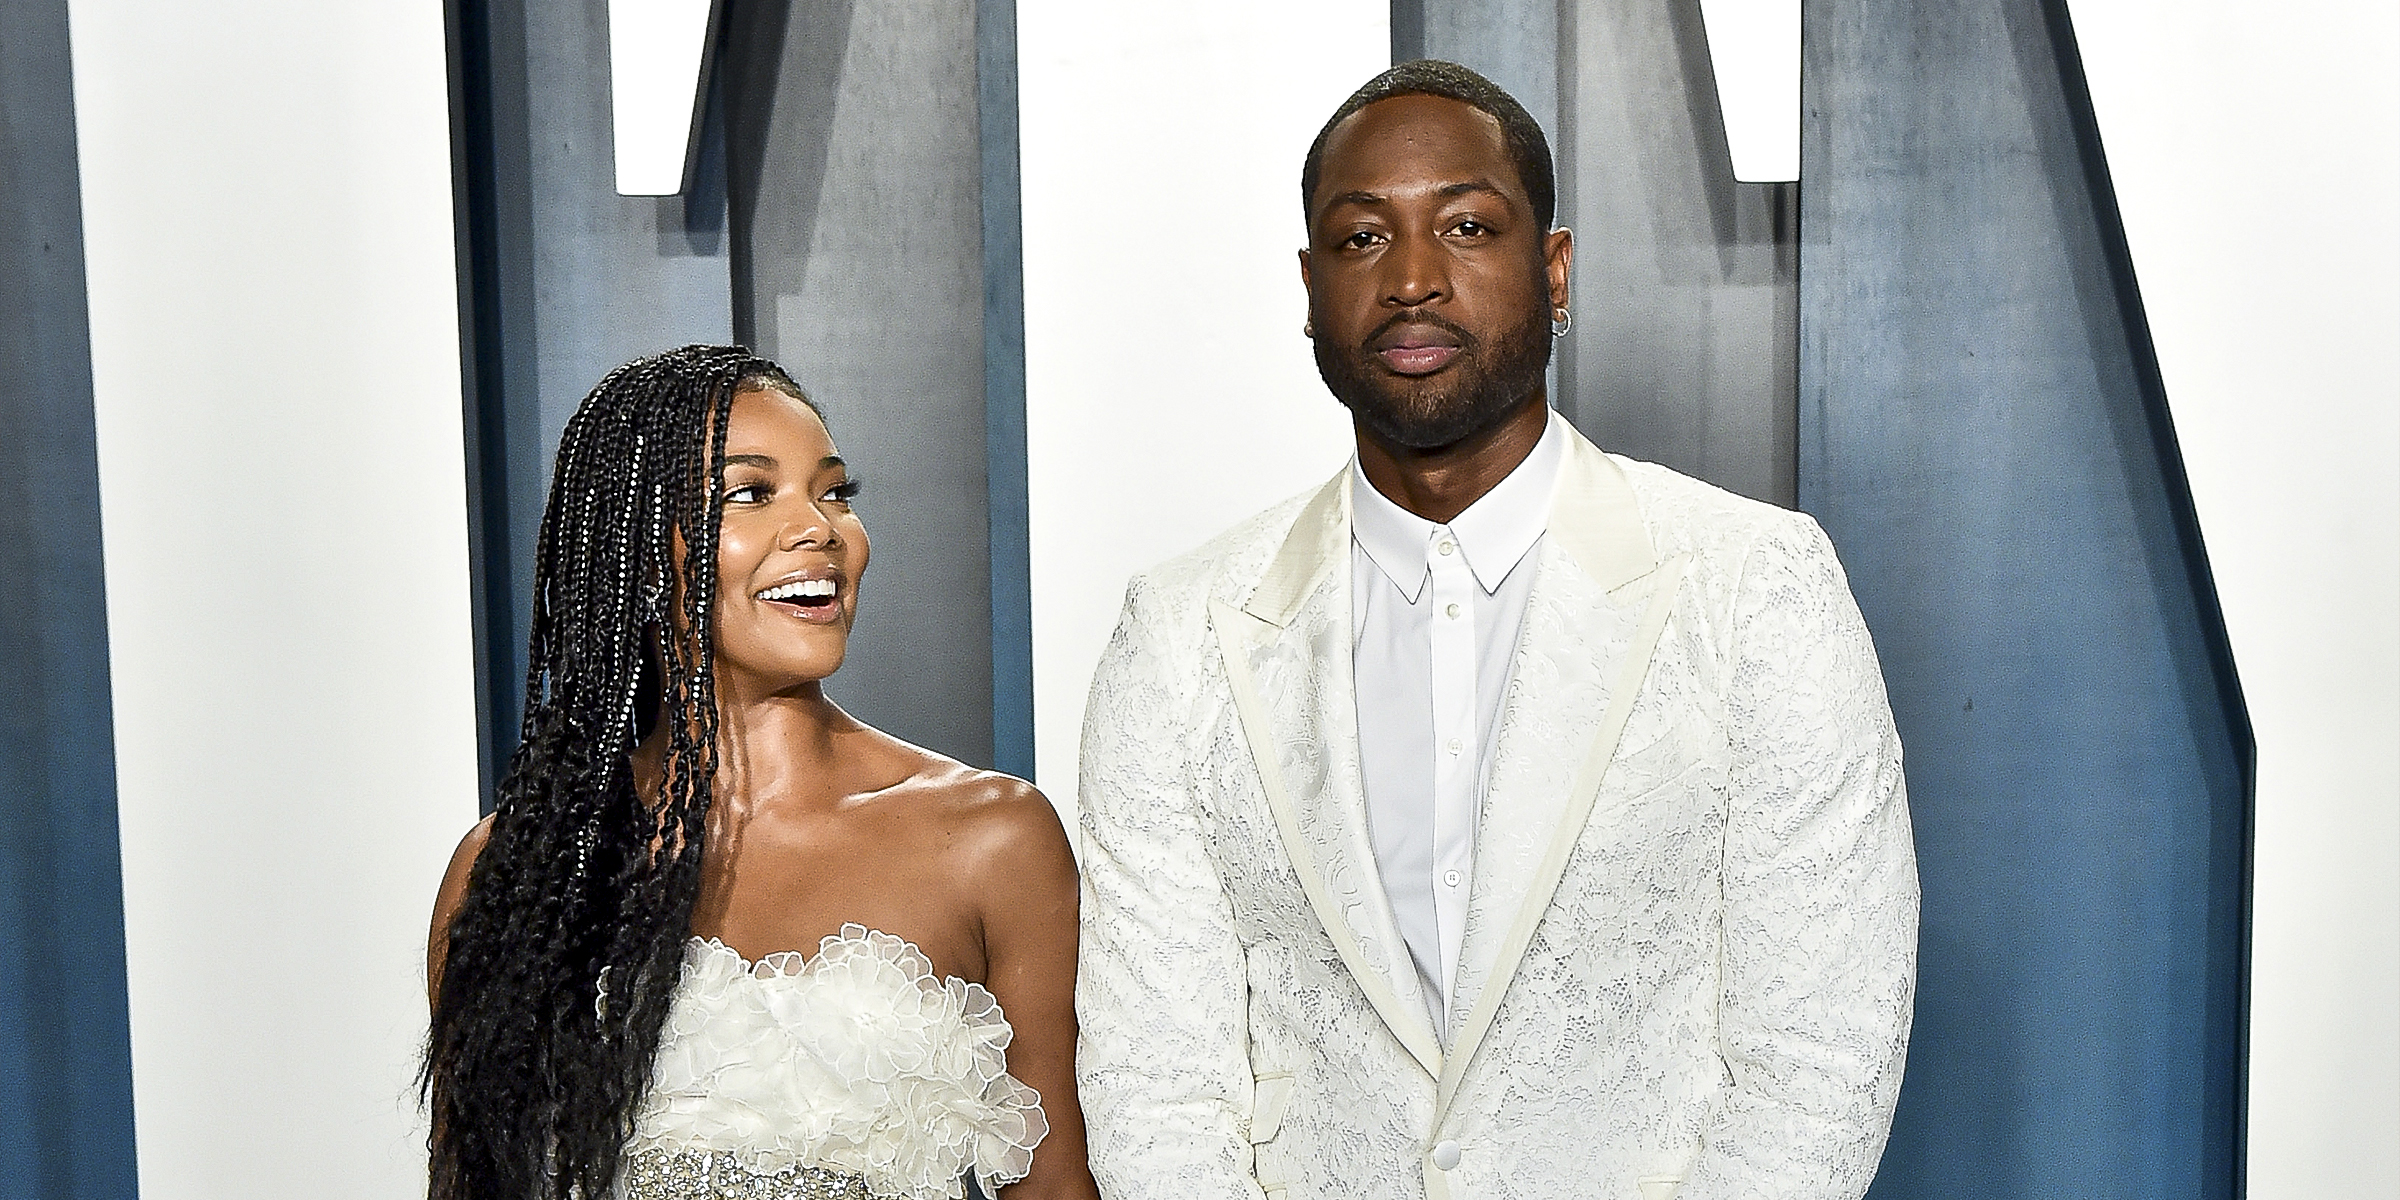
column 1504, row 818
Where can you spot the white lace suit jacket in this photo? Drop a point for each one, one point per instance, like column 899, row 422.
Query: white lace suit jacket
column 1691, row 938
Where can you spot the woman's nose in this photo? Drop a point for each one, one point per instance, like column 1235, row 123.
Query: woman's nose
column 808, row 529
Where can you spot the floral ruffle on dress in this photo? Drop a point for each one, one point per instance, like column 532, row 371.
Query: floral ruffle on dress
column 854, row 1073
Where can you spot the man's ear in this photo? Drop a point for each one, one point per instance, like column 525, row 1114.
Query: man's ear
column 1558, row 256
column 1308, row 326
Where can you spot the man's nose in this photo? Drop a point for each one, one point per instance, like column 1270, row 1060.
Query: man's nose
column 1416, row 271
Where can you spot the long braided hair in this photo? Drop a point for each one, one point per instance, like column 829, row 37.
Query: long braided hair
column 567, row 947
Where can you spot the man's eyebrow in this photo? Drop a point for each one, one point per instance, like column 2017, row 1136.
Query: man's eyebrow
column 1367, row 198
column 1447, row 191
column 1473, row 185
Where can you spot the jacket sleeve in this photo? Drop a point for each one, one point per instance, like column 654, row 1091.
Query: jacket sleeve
column 1161, row 1063
column 1820, row 936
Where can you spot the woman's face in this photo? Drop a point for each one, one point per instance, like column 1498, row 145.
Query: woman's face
column 791, row 552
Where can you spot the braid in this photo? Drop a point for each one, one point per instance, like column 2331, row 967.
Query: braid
column 566, row 950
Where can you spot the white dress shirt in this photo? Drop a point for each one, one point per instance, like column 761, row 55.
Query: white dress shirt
column 1435, row 613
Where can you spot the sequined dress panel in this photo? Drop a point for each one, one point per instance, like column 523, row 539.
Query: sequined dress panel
column 853, row 1073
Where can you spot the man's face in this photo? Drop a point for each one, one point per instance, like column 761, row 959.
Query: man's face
column 1430, row 281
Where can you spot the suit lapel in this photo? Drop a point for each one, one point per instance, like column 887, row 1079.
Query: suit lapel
column 1575, row 637
column 1287, row 657
column 1597, row 607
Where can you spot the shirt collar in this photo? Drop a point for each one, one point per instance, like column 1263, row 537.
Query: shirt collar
column 1493, row 534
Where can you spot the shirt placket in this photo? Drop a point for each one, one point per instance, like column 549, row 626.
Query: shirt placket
column 1455, row 738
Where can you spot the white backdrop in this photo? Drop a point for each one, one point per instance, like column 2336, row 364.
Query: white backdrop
column 1169, row 393
column 2256, row 152
column 266, row 203
column 267, row 220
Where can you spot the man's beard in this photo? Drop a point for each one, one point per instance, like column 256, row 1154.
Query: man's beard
column 1480, row 388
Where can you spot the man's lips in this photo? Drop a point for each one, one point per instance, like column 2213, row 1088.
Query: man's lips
column 1417, row 360
column 1415, row 347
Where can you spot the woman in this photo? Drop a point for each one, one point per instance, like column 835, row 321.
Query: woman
column 719, row 937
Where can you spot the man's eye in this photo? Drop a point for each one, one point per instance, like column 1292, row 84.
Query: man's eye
column 1359, row 241
column 1470, row 229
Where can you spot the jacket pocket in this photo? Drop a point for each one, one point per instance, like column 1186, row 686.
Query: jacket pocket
column 1270, row 1095
column 1658, row 1187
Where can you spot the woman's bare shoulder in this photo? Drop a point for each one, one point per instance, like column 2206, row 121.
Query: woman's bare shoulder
column 451, row 895
column 989, row 815
column 462, row 868
column 988, row 797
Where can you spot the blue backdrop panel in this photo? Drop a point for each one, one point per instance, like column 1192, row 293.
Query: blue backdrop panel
column 560, row 280
column 856, row 149
column 1983, row 434
column 1685, row 278
column 66, row 1069
column 1004, row 387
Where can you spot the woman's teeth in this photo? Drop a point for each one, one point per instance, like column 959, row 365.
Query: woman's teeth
column 805, row 589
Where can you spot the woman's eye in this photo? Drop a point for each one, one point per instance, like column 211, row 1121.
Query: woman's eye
column 746, row 493
column 841, row 493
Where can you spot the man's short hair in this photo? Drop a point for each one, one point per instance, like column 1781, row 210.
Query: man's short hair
column 1527, row 147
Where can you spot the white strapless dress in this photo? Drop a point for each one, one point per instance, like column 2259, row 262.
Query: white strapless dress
column 854, row 1073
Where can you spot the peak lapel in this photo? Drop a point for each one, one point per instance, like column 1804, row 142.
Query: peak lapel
column 1287, row 658
column 1597, row 607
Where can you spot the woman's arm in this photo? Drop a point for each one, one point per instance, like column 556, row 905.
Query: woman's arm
column 1023, row 883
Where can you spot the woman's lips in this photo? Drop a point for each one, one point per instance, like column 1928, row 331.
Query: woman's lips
column 826, row 613
column 1417, row 360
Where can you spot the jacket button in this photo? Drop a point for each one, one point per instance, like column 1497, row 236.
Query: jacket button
column 1445, row 1155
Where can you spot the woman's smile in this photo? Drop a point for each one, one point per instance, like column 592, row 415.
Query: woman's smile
column 813, row 595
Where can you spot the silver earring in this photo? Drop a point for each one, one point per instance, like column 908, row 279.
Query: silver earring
column 1308, row 329
column 1561, row 321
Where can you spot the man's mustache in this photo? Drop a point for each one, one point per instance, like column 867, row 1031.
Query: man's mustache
column 1425, row 317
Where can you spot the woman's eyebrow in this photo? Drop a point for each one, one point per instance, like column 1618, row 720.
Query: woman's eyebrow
column 761, row 461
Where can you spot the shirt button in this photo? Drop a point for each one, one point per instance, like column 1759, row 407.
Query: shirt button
column 1450, row 879
column 1456, row 745
column 1447, row 547
column 1453, row 611
column 1446, row 1155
